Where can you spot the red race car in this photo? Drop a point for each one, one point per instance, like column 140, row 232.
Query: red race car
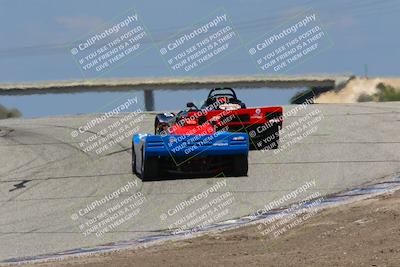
column 226, row 112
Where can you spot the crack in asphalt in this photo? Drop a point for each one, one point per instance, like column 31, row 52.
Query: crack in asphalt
column 19, row 185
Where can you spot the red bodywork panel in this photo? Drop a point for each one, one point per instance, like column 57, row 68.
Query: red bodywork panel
column 244, row 117
column 220, row 118
column 193, row 129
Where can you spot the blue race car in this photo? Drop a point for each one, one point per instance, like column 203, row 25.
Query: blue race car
column 189, row 147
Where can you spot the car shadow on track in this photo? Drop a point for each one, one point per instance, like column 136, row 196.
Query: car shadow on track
column 185, row 176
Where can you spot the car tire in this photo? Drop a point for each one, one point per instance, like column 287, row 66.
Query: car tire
column 258, row 143
column 133, row 160
column 156, row 122
column 149, row 169
column 240, row 165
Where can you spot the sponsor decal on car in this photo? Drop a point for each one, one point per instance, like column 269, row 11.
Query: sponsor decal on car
column 229, row 106
column 257, row 114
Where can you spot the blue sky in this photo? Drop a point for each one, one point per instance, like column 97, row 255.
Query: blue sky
column 36, row 35
column 36, row 39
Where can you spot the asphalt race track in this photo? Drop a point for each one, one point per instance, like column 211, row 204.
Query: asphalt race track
column 46, row 177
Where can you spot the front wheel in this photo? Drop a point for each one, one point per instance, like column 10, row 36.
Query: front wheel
column 240, row 165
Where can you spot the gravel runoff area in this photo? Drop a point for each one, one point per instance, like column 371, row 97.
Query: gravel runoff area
column 363, row 233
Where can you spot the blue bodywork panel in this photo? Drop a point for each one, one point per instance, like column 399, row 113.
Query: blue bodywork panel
column 220, row 143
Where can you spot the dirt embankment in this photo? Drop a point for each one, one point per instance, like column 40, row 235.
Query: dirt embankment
column 356, row 88
column 365, row 233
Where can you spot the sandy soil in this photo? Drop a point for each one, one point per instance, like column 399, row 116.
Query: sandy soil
column 355, row 88
column 395, row 82
column 364, row 233
column 351, row 92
